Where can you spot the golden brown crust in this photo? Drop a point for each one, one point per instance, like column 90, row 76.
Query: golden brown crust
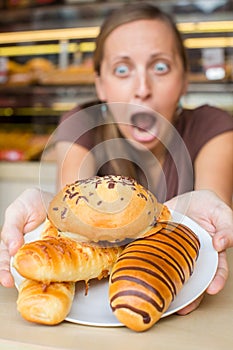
column 58, row 259
column 109, row 208
column 49, row 230
column 164, row 213
column 149, row 274
column 45, row 304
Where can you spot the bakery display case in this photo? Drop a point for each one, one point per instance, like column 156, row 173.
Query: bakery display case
column 46, row 62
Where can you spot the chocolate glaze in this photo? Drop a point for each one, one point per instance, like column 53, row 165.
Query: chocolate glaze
column 159, row 306
column 143, row 256
column 171, row 261
column 183, row 252
column 163, row 277
column 145, row 315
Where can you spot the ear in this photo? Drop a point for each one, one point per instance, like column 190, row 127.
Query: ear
column 100, row 88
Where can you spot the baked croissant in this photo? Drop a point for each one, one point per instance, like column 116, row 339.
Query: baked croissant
column 149, row 274
column 61, row 259
column 45, row 304
column 49, row 230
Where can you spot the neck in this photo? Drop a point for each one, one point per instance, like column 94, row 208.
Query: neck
column 160, row 152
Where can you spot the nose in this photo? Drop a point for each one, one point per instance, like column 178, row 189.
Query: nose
column 142, row 86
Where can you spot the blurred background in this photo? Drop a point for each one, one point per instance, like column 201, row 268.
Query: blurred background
column 46, row 49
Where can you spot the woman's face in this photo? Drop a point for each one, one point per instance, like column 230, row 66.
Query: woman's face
column 141, row 66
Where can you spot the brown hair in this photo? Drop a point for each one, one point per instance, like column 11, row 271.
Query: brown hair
column 130, row 13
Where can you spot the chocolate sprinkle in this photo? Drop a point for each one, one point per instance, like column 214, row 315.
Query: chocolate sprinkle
column 63, row 213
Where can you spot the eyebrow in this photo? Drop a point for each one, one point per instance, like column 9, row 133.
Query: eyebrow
column 124, row 57
column 154, row 55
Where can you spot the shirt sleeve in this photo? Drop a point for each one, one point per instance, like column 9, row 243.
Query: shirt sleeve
column 200, row 125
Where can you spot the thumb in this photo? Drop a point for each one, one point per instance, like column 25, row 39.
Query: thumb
column 12, row 230
column 13, row 238
column 223, row 239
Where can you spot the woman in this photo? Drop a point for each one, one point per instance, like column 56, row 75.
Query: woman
column 140, row 130
column 141, row 73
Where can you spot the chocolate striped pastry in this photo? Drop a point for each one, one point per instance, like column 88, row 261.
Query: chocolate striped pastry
column 150, row 273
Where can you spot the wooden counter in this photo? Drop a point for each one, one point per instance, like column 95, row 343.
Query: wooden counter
column 209, row 327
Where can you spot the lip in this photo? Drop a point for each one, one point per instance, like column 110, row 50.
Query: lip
column 144, row 127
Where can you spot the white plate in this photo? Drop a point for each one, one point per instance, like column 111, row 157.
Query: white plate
column 93, row 309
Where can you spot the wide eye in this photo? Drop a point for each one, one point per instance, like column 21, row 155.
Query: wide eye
column 161, row 67
column 121, row 70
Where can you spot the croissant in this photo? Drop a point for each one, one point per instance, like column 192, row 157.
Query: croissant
column 45, row 304
column 149, row 274
column 49, row 230
column 61, row 259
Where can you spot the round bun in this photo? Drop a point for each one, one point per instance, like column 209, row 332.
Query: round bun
column 111, row 208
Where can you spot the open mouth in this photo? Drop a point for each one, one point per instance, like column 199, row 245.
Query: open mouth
column 144, row 126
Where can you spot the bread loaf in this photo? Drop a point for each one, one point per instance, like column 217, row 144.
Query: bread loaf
column 45, row 304
column 60, row 259
column 111, row 208
column 149, row 274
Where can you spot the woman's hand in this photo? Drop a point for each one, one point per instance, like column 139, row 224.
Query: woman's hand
column 210, row 212
column 22, row 216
